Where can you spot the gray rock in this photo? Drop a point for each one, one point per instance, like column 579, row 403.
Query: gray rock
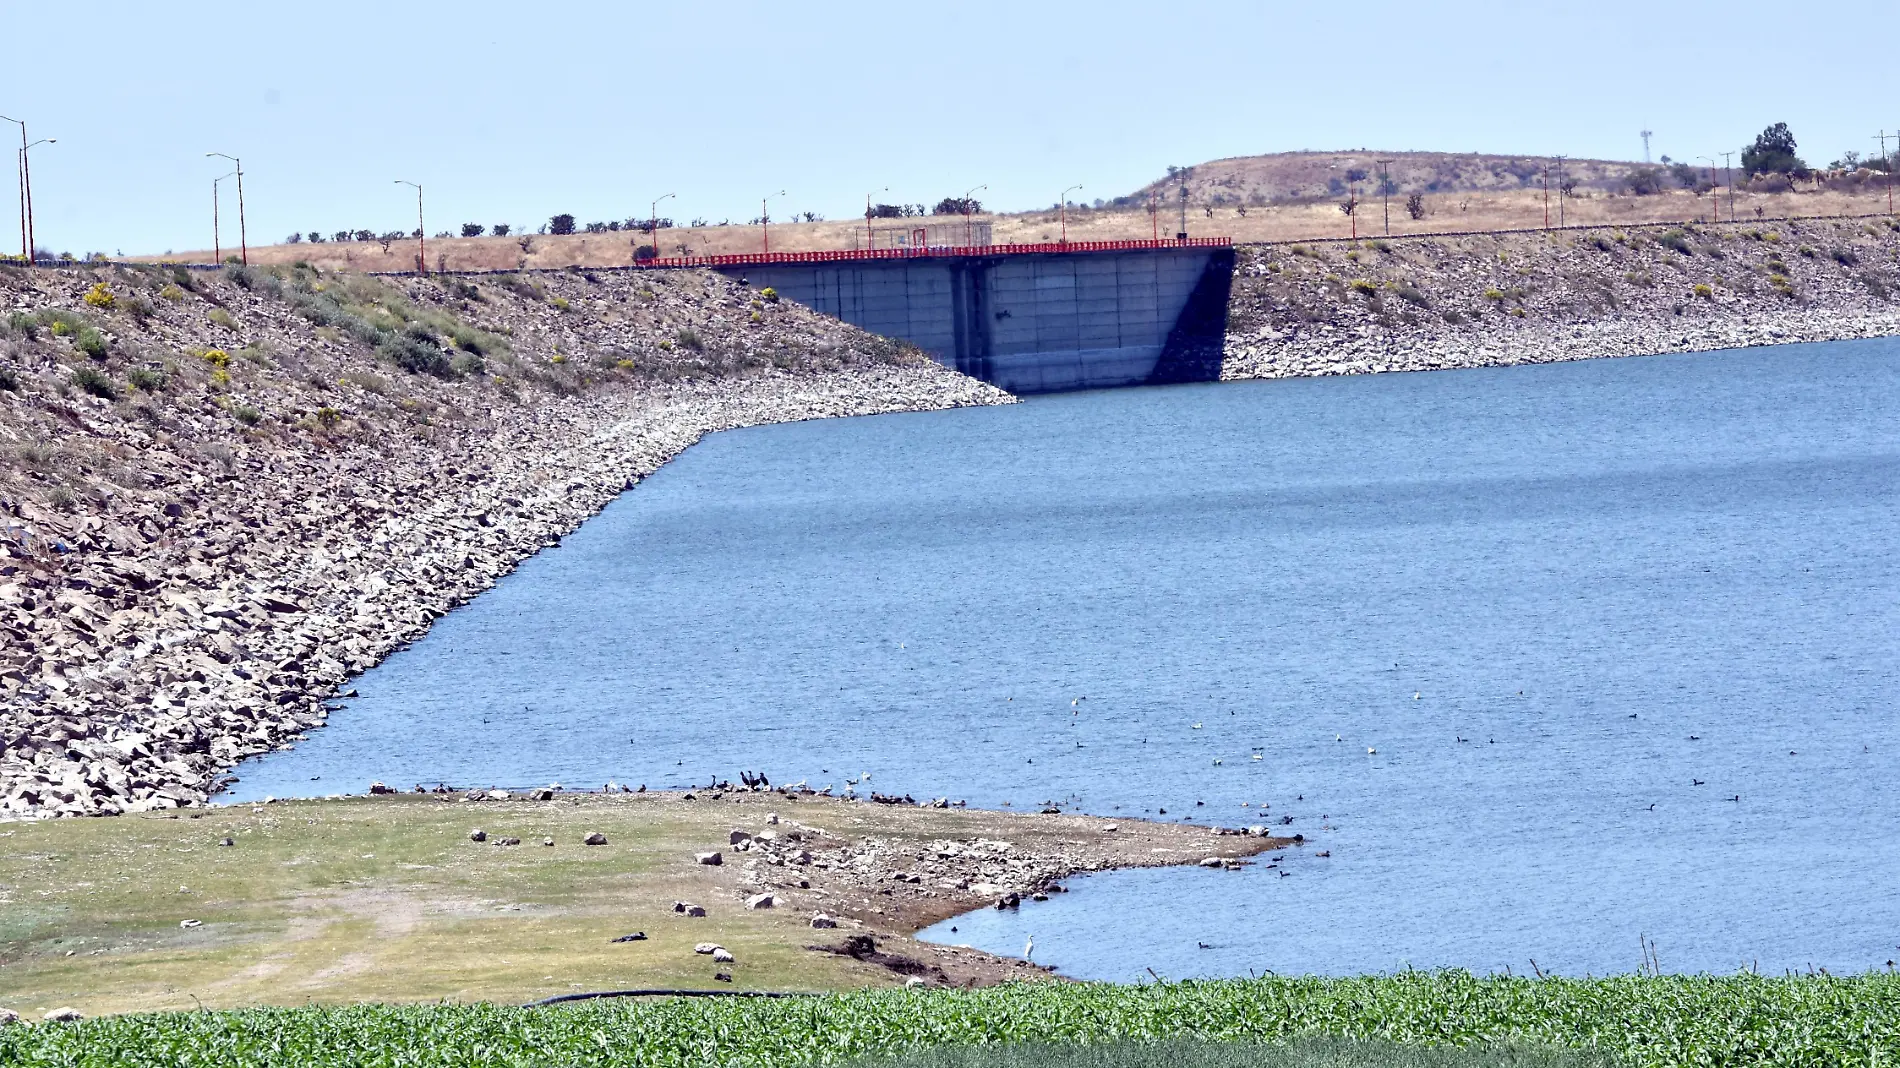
column 63, row 1015
column 713, row 859
column 478, row 835
column 595, row 839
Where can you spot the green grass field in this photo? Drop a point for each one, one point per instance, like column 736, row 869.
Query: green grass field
column 1799, row 1022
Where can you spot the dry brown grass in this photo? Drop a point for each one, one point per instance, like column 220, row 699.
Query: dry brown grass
column 1507, row 209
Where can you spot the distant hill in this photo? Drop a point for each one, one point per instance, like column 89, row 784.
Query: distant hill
column 1292, row 176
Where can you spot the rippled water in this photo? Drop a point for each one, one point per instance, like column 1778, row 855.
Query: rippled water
column 1553, row 599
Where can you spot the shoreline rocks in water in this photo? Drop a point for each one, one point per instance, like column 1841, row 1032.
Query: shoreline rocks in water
column 1332, row 308
column 192, row 566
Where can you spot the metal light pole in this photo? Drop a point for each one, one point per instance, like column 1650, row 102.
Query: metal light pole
column 19, row 167
column 1728, row 175
column 870, row 230
column 1886, row 165
column 1385, row 191
column 217, row 240
column 765, row 219
column 1561, row 195
column 422, row 250
column 1063, row 204
column 244, row 244
column 966, row 213
column 26, row 186
column 1714, row 202
column 654, row 223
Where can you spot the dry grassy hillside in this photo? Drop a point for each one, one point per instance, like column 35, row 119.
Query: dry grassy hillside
column 1304, row 220
column 1256, row 181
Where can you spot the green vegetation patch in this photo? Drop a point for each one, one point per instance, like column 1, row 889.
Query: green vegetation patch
column 1793, row 1022
column 1307, row 1053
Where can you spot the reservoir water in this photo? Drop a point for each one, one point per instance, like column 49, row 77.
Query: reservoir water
column 1546, row 658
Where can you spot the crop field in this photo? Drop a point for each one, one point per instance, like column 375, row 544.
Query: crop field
column 1744, row 1019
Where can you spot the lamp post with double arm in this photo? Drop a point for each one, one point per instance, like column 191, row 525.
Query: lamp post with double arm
column 244, row 243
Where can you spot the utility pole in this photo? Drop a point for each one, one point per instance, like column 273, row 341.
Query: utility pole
column 217, row 240
column 1547, row 194
column 765, row 219
column 1352, row 201
column 1385, row 190
column 1063, row 204
column 1646, row 136
column 422, row 251
column 1560, row 192
column 244, row 244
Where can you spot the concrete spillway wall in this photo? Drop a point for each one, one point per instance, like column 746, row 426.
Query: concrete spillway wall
column 1034, row 323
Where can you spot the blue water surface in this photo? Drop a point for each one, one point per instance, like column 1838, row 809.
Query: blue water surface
column 1546, row 658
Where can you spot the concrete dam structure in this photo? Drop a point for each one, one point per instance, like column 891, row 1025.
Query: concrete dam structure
column 1027, row 318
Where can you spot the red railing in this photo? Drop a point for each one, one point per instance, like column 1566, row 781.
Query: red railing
column 752, row 259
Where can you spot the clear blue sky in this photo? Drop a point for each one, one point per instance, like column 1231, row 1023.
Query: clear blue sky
column 510, row 112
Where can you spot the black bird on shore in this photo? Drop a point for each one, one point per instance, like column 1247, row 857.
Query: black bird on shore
column 1737, row 797
column 1695, row 782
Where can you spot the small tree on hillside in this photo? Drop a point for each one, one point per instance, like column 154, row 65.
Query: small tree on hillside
column 1415, row 206
column 1773, row 153
column 561, row 224
column 472, row 229
column 501, row 229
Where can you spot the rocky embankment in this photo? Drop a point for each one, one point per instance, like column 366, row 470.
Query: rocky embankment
column 223, row 494
column 1426, row 304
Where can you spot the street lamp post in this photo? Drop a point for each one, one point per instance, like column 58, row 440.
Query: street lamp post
column 26, row 186
column 870, row 229
column 19, row 167
column 1385, row 191
column 1886, row 167
column 217, row 240
column 1546, row 196
column 1728, row 176
column 967, row 236
column 27, row 235
column 244, row 243
column 653, row 223
column 422, row 250
column 1561, row 195
column 765, row 219
column 1063, row 204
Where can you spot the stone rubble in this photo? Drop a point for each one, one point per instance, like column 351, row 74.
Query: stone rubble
column 1335, row 308
column 189, row 572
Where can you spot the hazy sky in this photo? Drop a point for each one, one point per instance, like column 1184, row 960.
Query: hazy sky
column 510, row 112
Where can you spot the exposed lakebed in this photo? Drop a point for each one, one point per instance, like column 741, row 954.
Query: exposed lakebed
column 1506, row 643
